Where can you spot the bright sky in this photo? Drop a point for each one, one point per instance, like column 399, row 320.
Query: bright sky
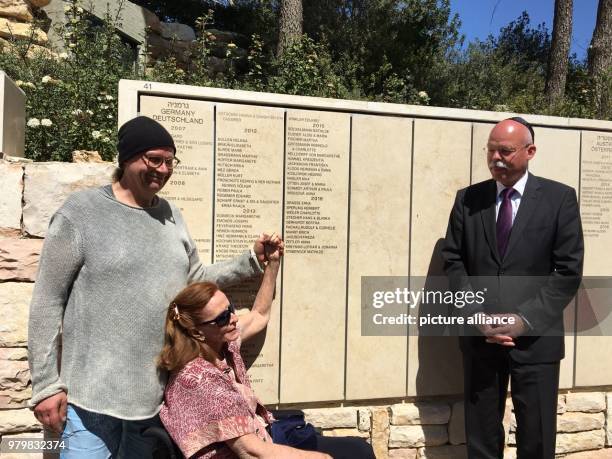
column 480, row 18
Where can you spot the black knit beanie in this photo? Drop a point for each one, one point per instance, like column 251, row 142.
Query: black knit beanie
column 139, row 135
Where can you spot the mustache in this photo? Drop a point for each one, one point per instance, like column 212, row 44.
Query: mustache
column 497, row 164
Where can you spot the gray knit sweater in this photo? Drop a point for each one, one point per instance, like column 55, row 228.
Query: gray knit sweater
column 107, row 273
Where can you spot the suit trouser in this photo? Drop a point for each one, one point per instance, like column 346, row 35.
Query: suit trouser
column 534, row 396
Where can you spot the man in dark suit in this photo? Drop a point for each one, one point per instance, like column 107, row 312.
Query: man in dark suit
column 518, row 238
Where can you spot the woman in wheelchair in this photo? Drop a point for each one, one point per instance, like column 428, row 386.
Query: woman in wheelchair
column 209, row 409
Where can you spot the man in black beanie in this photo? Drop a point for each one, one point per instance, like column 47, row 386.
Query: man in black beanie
column 113, row 259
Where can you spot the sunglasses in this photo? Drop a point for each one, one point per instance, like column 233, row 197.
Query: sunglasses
column 222, row 319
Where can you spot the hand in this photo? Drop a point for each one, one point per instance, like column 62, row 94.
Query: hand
column 258, row 247
column 51, row 412
column 274, row 248
column 514, row 327
column 493, row 333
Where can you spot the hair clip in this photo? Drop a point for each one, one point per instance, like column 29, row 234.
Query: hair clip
column 177, row 316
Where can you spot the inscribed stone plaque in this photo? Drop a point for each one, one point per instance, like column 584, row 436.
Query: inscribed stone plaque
column 593, row 366
column 314, row 288
column 381, row 156
column 441, row 166
column 248, row 201
column 558, row 158
column 191, row 124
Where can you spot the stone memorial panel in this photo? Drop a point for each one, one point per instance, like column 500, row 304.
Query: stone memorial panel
column 441, row 166
column 593, row 368
column 315, row 268
column 249, row 201
column 381, row 156
column 12, row 117
column 191, row 123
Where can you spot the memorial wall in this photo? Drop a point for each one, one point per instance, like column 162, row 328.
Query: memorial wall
column 358, row 189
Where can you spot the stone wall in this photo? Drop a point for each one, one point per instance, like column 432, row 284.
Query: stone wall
column 16, row 21
column 406, row 428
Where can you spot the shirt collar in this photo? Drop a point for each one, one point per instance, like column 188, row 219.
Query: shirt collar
column 519, row 186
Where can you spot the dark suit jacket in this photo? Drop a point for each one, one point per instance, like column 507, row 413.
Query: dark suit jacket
column 540, row 272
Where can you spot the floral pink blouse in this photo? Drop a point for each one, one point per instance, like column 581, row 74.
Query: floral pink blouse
column 204, row 406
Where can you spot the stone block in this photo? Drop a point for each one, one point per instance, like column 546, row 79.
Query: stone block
column 511, row 439
column 420, row 413
column 16, row 9
column 403, row 453
column 176, row 31
column 14, row 306
column 13, row 353
column 11, row 184
column 561, row 408
column 380, row 432
column 14, row 375
column 609, row 419
column 593, row 454
column 456, row 426
column 47, row 185
column 346, row 433
column 510, row 453
column 443, row 452
column 86, row 156
column 27, row 436
column 364, row 419
column 587, row 402
column 581, row 441
column 19, row 259
column 580, row 422
column 11, row 399
column 17, row 421
column 414, row 436
column 13, row 29
column 332, row 418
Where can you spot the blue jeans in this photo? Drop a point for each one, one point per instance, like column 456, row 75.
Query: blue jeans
column 99, row 436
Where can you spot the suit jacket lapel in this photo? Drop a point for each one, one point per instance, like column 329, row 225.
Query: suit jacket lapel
column 488, row 219
column 529, row 202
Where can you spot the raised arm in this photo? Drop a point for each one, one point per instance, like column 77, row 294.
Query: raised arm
column 257, row 318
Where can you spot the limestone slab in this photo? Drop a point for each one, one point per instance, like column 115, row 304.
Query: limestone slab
column 332, row 418
column 316, row 226
column 580, row 422
column 19, row 259
column 380, row 432
column 14, row 375
column 364, row 419
column 191, row 124
column 17, row 421
column 24, row 30
column 346, row 433
column 593, row 454
column 443, row 452
column 13, row 353
column 11, row 183
column 13, row 399
column 587, row 402
column 403, row 453
column 420, row 413
column 12, row 117
column 47, row 185
column 383, row 178
column 442, row 158
column 581, row 441
column 480, row 136
column 16, row 9
column 416, row 436
column 15, row 305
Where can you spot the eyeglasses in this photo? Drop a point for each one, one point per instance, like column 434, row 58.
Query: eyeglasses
column 222, row 319
column 155, row 161
column 504, row 151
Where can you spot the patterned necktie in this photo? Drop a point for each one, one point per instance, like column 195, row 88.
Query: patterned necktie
column 504, row 221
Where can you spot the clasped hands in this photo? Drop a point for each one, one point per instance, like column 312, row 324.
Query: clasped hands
column 268, row 247
column 504, row 334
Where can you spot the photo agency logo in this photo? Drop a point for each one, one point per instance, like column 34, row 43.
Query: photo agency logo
column 439, row 306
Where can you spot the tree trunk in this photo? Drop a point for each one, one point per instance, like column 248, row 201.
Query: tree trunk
column 290, row 24
column 559, row 52
column 600, row 58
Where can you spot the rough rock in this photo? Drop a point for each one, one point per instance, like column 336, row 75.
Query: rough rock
column 39, row 3
column 16, row 9
column 443, row 452
column 13, row 353
column 47, row 185
column 597, row 454
column 420, row 413
column 11, row 184
column 414, row 436
column 345, row 433
column 364, row 419
column 332, row 418
column 17, row 421
column 561, row 404
column 587, row 402
column 380, row 432
column 12, row 399
column 14, row 375
column 19, row 259
column 456, row 426
column 177, row 31
column 86, row 156
column 581, row 441
column 580, row 422
column 13, row 29
column 14, row 309
column 403, row 453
